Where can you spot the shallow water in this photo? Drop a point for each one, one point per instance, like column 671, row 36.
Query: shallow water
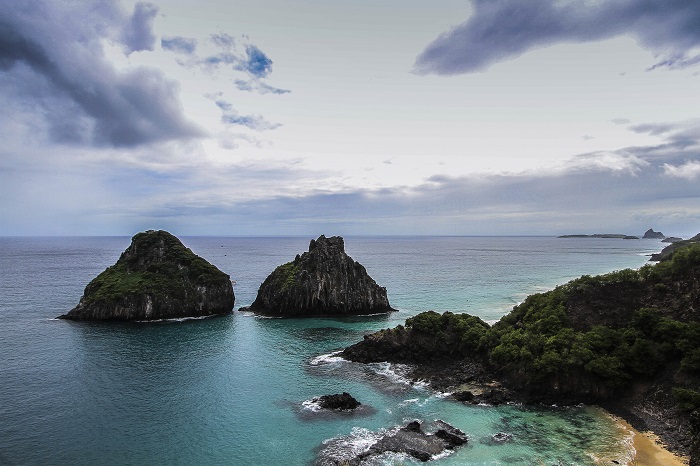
column 231, row 390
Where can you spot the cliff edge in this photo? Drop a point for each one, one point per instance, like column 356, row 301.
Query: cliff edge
column 156, row 277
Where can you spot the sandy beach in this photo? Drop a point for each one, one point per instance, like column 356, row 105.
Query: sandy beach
column 649, row 450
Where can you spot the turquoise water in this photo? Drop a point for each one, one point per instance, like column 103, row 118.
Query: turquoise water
column 231, row 390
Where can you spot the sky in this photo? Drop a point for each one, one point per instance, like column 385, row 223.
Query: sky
column 270, row 117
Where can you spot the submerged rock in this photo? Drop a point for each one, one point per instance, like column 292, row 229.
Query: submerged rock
column 498, row 438
column 156, row 277
column 322, row 281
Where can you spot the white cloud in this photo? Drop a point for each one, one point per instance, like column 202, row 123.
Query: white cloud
column 620, row 163
column 689, row 170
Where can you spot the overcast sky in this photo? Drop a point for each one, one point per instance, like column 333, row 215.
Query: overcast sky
column 270, row 117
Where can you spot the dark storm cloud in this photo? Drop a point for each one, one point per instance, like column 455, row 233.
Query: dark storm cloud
column 504, row 29
column 52, row 64
column 179, row 44
column 137, row 34
column 655, row 129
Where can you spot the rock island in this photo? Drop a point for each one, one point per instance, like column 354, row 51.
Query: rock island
column 322, row 281
column 156, row 277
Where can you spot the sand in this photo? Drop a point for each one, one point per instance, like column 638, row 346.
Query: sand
column 650, row 451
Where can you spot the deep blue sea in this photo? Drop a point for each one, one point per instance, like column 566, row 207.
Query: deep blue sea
column 235, row 390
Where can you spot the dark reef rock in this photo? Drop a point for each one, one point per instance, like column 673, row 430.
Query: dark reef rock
column 651, row 234
column 410, row 440
column 450, row 434
column 322, row 281
column 493, row 396
column 342, row 401
column 156, row 277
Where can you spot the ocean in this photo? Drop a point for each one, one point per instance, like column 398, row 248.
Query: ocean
column 237, row 390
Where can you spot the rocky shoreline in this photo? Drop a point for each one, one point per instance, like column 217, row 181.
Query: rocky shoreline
column 628, row 341
column 471, row 383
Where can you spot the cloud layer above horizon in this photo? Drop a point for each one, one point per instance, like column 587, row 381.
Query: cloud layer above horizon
column 505, row 29
column 126, row 116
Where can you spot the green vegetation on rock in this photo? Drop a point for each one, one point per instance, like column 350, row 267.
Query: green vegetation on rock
column 286, row 274
column 592, row 336
column 156, row 277
column 463, row 332
column 140, row 270
column 626, row 335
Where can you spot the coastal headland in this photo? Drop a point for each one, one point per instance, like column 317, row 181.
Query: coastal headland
column 628, row 341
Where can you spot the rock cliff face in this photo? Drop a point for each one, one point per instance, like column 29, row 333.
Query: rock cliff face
column 156, row 277
column 322, row 281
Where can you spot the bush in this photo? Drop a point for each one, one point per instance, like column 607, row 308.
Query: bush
column 688, row 400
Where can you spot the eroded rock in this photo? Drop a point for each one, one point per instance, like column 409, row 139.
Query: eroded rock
column 322, row 281
column 410, row 439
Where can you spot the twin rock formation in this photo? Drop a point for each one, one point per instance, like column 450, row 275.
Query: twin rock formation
column 157, row 277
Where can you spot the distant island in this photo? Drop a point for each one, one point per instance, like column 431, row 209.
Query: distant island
column 628, row 341
column 156, row 277
column 649, row 234
column 601, row 235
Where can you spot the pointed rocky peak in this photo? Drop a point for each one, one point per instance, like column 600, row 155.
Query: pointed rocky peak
column 322, row 281
column 651, row 234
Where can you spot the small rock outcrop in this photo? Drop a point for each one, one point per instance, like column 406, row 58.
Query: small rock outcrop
column 342, row 401
column 651, row 234
column 322, row 281
column 410, row 439
column 156, row 277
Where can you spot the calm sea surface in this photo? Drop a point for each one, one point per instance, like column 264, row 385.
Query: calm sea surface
column 232, row 390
